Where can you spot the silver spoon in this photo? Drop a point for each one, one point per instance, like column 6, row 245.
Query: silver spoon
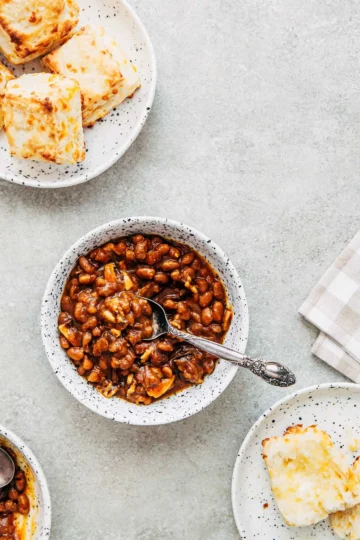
column 271, row 372
column 7, row 468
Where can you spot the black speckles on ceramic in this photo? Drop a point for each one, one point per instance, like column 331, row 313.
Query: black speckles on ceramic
column 111, row 137
column 176, row 407
column 335, row 409
column 39, row 520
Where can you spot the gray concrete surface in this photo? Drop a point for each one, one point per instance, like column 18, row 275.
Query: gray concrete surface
column 253, row 139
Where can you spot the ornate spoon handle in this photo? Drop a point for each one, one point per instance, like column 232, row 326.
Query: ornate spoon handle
column 271, row 372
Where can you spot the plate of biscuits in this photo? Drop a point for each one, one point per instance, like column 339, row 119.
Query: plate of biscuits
column 77, row 82
column 297, row 474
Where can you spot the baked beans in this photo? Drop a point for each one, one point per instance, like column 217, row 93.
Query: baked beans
column 103, row 324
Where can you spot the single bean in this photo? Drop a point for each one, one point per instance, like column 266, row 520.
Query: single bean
column 195, row 316
column 175, row 253
column 108, row 316
column 147, row 332
column 207, row 316
column 74, row 289
column 86, row 265
column 218, row 311
column 80, row 312
column 165, row 346
column 130, row 255
column 67, row 304
column 120, row 248
column 216, row 328
column 87, row 364
column 153, row 257
column 85, row 279
column 167, row 371
column 64, row 342
column 127, row 361
column 76, row 353
column 109, row 273
column 144, row 272
column 202, row 285
column 138, row 238
column 170, row 304
column 163, row 249
column 218, row 290
column 96, row 332
column 95, row 375
column 176, row 275
column 161, row 277
column 141, row 249
column 188, row 258
column 206, row 299
column 169, row 265
column 227, row 320
column 136, row 308
column 24, row 505
column 109, row 248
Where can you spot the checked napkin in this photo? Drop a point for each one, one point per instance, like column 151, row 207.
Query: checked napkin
column 333, row 306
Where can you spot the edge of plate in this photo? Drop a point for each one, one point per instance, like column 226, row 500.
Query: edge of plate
column 141, row 122
column 261, row 419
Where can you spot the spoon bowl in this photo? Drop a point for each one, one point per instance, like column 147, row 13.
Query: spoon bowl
column 7, row 469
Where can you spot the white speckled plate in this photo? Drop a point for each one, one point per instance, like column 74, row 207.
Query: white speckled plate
column 178, row 406
column 109, row 139
column 334, row 408
column 37, row 525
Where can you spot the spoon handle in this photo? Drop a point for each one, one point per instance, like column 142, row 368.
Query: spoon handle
column 271, row 372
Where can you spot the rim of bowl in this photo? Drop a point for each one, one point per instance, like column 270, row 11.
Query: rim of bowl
column 81, row 179
column 261, row 419
column 142, row 219
column 39, row 475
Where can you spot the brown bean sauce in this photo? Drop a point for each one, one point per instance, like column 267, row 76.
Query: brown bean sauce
column 103, row 323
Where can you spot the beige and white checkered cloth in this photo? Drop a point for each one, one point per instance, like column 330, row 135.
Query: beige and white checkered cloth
column 334, row 307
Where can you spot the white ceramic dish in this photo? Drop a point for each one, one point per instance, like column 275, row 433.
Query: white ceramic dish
column 37, row 525
column 176, row 407
column 334, row 408
column 109, row 139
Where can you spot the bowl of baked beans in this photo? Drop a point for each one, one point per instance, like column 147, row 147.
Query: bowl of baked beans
column 97, row 323
column 25, row 506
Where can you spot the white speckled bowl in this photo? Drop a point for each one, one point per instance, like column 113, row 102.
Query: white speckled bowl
column 110, row 138
column 178, row 406
column 38, row 524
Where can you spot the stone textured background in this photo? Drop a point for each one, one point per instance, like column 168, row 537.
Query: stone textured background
column 254, row 140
